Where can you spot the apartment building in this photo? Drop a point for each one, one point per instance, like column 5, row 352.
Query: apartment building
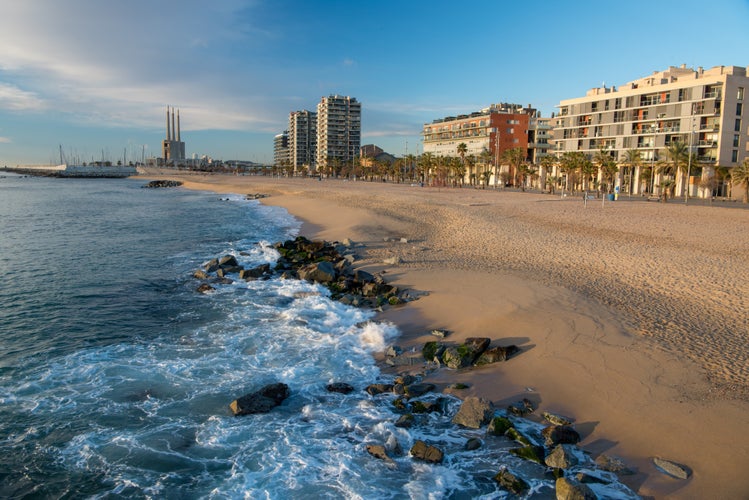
column 281, row 149
column 487, row 134
column 302, row 140
column 338, row 132
column 703, row 109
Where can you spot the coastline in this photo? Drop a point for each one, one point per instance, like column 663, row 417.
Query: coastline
column 599, row 300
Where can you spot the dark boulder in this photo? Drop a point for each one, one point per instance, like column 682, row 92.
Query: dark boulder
column 340, row 387
column 511, row 482
column 375, row 389
column 319, row 272
column 560, row 434
column 205, row 288
column 474, row 412
column 255, row 272
column 428, row 453
column 496, row 354
column 261, row 401
column 568, row 489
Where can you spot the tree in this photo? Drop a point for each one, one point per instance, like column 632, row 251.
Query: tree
column 632, row 160
column 486, row 158
column 608, row 168
column 569, row 164
column 677, row 158
column 547, row 165
column 425, row 165
column 514, row 157
column 462, row 150
column 740, row 177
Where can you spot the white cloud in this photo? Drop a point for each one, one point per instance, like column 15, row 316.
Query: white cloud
column 15, row 99
column 118, row 63
column 5, row 140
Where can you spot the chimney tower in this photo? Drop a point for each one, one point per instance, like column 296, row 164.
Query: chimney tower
column 178, row 139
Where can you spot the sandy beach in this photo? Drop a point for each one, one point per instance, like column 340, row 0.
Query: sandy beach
column 632, row 316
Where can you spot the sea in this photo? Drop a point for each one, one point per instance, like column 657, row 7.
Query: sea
column 116, row 375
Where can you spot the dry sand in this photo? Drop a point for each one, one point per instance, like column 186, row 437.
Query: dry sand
column 632, row 316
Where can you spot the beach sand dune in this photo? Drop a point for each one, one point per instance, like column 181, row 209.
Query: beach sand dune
column 632, row 316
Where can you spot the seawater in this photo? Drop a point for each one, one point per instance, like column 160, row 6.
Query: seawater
column 116, row 375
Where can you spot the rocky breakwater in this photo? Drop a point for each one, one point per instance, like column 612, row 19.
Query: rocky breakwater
column 162, row 184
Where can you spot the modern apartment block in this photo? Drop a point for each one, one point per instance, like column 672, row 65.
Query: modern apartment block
column 703, row 109
column 302, row 139
column 338, row 131
column 281, row 149
column 491, row 131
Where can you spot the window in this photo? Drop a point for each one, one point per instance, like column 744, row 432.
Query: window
column 737, row 125
column 736, row 141
column 740, row 94
column 735, row 155
column 738, row 109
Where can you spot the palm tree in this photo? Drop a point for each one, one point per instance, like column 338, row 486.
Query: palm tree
column 486, row 158
column 425, row 164
column 547, row 165
column 608, row 169
column 740, row 177
column 515, row 157
column 677, row 158
column 632, row 160
column 569, row 163
column 462, row 150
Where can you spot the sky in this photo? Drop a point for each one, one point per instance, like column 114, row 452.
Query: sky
column 94, row 77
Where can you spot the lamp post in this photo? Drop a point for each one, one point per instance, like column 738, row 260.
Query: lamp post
column 652, row 161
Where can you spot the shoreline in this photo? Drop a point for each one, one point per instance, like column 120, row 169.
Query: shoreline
column 636, row 386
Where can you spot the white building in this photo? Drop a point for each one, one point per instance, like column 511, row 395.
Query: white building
column 338, row 132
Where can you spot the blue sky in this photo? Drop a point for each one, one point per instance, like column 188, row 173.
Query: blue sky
column 95, row 76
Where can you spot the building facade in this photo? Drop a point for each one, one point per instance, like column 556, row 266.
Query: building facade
column 338, row 132
column 172, row 148
column 487, row 134
column 702, row 109
column 281, row 149
column 302, row 140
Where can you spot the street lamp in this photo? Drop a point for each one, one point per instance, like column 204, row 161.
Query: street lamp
column 652, row 160
column 689, row 161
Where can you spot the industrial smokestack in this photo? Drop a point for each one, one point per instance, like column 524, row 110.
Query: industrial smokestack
column 173, row 129
column 167, row 123
column 178, row 135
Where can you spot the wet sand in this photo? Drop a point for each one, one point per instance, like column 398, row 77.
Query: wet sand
column 632, row 316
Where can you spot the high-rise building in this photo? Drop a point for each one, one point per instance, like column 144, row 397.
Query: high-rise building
column 281, row 149
column 172, row 148
column 702, row 109
column 302, row 139
column 338, row 132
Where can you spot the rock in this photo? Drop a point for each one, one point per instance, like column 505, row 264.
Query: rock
column 261, row 401
column 530, row 452
column 514, row 434
column 560, row 434
column 510, row 482
column 404, row 240
column 200, row 274
column 438, row 332
column 228, row 261
column 163, row 184
column 211, row 266
column 363, row 276
column 674, row 469
column 255, row 272
column 474, row 412
column 466, row 353
column 613, row 464
column 496, row 354
column 432, row 350
column 340, row 387
column 405, row 379
column 205, row 288
column 521, row 408
column 568, row 489
column 498, row 426
column 405, row 421
column 393, row 351
column 473, row 444
column 556, row 419
column 319, row 272
column 416, row 390
column 422, row 451
column 392, row 261
column 562, row 457
column 426, row 406
column 378, row 451
column 375, row 389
